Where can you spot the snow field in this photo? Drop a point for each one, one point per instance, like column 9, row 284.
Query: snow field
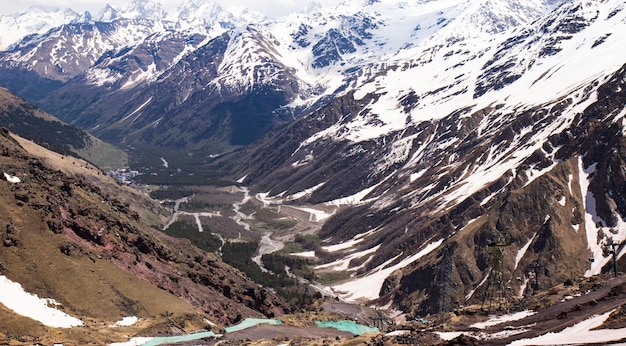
column 39, row 309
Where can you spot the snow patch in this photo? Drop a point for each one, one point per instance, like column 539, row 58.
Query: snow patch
column 12, row 179
column 136, row 110
column 126, row 321
column 580, row 333
column 495, row 320
column 368, row 287
column 26, row 304
column 314, row 214
column 306, row 254
column 344, row 263
column 522, row 251
column 598, row 234
column 354, row 199
column 471, row 293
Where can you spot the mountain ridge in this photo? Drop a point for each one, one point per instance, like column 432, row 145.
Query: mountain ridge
column 310, row 57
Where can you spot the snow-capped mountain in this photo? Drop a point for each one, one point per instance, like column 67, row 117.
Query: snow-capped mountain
column 192, row 13
column 430, row 127
column 314, row 55
column 516, row 137
column 35, row 20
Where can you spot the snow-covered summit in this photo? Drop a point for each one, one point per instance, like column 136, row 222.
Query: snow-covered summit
column 35, row 20
column 144, row 9
column 107, row 14
column 192, row 13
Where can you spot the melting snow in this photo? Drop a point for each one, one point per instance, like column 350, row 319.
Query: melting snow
column 306, row 254
column 522, row 287
column 342, row 246
column 354, row 199
column 242, row 179
column 368, row 287
column 471, row 293
column 344, row 263
column 495, row 320
column 580, row 333
column 314, row 214
column 126, row 321
column 12, row 179
column 522, row 251
column 15, row 298
column 136, row 110
column 597, row 236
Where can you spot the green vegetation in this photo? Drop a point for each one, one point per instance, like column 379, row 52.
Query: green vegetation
column 182, row 170
column 329, row 278
column 273, row 221
column 175, row 192
column 239, row 255
column 308, row 241
column 53, row 135
column 292, row 247
column 194, row 205
column 299, row 266
column 248, row 208
column 103, row 155
column 203, row 240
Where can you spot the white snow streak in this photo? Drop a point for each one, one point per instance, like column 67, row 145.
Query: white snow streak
column 471, row 293
column 126, row 321
column 344, row 263
column 495, row 320
column 522, row 251
column 597, row 236
column 369, row 286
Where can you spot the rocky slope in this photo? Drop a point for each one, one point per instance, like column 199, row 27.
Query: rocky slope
column 77, row 237
column 524, row 149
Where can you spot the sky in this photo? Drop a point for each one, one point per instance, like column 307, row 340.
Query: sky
column 271, row 8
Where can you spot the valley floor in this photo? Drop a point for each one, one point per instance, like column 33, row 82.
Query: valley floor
column 591, row 311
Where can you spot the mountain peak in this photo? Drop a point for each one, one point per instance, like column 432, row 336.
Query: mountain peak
column 107, row 14
column 206, row 9
column 36, row 20
column 142, row 9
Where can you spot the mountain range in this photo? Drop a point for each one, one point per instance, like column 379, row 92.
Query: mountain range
column 426, row 136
